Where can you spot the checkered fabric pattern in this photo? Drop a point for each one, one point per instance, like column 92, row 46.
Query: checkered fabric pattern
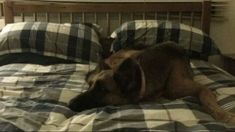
column 78, row 42
column 149, row 32
column 35, row 97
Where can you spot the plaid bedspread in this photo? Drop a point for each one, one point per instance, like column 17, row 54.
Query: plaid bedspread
column 35, row 97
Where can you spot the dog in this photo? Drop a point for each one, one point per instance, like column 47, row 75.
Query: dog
column 132, row 76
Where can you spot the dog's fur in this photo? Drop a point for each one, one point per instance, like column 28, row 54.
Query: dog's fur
column 132, row 76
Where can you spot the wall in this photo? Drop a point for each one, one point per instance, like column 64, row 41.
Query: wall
column 224, row 32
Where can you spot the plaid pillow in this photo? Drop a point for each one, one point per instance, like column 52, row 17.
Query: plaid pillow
column 79, row 43
column 149, row 32
column 97, row 28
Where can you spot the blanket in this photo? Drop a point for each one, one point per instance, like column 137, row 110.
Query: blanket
column 35, row 98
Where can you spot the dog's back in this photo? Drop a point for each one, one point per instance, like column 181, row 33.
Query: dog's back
column 160, row 63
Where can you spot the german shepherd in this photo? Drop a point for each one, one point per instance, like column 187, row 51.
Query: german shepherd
column 131, row 76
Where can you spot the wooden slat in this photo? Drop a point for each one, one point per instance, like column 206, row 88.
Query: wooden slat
column 108, row 7
column 71, row 17
column 8, row 12
column 35, row 16
column 192, row 18
column 119, row 18
column 108, row 23
column 180, row 17
column 155, row 15
column 47, row 17
column 205, row 22
column 22, row 17
column 1, row 8
column 59, row 17
column 168, row 16
column 144, row 15
column 83, row 17
column 132, row 15
column 95, row 18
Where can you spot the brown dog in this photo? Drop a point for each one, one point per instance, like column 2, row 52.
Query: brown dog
column 133, row 76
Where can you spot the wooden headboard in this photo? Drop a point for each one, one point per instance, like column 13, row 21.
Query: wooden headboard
column 109, row 15
column 178, row 11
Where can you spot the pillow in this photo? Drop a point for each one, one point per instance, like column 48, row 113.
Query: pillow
column 97, row 28
column 78, row 43
column 149, row 32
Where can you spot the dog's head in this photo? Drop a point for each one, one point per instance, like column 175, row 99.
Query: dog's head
column 111, row 86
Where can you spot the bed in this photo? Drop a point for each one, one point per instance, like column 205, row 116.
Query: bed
column 39, row 76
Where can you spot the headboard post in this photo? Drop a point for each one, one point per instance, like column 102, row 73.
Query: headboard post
column 206, row 14
column 8, row 11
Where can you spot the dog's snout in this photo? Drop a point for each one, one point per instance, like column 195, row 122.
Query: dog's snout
column 85, row 101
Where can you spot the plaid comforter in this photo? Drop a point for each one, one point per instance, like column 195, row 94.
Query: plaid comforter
column 35, row 97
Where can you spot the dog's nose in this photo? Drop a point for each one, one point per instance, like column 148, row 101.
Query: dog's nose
column 76, row 107
column 81, row 106
column 84, row 101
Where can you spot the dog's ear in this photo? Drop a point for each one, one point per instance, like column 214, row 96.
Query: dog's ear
column 101, row 66
column 128, row 77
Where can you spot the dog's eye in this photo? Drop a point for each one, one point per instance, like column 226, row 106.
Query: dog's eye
column 90, row 83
